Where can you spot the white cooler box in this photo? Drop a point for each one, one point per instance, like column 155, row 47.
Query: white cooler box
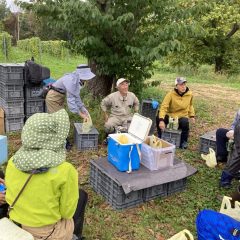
column 157, row 158
column 126, row 157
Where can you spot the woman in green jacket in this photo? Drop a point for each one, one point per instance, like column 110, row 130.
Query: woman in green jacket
column 46, row 206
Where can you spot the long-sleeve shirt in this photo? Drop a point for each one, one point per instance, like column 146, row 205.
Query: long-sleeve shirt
column 176, row 105
column 236, row 119
column 69, row 84
column 119, row 105
column 47, row 198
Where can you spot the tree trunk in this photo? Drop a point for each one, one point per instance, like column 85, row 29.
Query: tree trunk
column 100, row 86
column 218, row 64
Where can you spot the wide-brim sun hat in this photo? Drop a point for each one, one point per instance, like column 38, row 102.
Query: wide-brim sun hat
column 84, row 72
column 43, row 141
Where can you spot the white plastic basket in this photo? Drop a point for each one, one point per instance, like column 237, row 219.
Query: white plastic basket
column 157, row 158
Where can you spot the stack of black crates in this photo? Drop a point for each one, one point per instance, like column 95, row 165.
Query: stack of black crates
column 34, row 103
column 18, row 99
column 12, row 95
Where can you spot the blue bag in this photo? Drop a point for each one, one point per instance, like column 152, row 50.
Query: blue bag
column 155, row 104
column 213, row 225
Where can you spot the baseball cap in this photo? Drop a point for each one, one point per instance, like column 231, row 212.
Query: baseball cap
column 84, row 72
column 121, row 80
column 180, row 80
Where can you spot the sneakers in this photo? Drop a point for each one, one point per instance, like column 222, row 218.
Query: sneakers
column 68, row 146
column 77, row 238
column 184, row 145
column 121, row 129
column 226, row 180
column 221, row 159
column 105, row 141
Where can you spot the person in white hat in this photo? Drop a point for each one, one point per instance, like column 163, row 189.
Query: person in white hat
column 178, row 103
column 118, row 107
column 69, row 86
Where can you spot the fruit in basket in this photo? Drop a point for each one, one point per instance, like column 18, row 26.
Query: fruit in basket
column 123, row 139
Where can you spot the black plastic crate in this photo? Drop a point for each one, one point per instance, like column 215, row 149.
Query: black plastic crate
column 14, row 123
column 12, row 108
column 33, row 92
column 12, row 74
column 155, row 192
column 148, row 111
column 111, row 190
column 11, row 92
column 34, row 106
column 85, row 141
column 208, row 140
column 172, row 136
column 176, row 186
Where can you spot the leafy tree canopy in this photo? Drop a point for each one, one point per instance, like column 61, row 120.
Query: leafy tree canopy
column 120, row 38
column 217, row 40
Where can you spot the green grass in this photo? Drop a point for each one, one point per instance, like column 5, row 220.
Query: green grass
column 57, row 66
column 163, row 216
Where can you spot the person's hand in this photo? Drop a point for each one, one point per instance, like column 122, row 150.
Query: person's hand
column 193, row 121
column 2, row 181
column 162, row 125
column 84, row 116
column 106, row 117
column 2, row 198
column 230, row 134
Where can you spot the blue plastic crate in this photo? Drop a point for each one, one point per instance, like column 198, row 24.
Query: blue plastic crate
column 3, row 149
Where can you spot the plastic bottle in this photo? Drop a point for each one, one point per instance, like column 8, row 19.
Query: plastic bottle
column 175, row 123
column 230, row 145
column 170, row 124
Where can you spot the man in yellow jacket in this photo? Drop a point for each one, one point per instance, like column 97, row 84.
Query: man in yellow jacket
column 178, row 103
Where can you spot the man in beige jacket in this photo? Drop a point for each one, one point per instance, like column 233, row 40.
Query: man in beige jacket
column 118, row 107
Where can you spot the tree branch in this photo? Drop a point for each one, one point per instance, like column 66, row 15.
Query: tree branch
column 234, row 29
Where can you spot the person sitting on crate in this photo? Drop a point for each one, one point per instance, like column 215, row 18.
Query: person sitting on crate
column 49, row 207
column 224, row 138
column 121, row 105
column 69, row 86
column 232, row 168
column 178, row 103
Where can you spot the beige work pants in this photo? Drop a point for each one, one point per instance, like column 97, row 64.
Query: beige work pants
column 114, row 121
column 54, row 101
column 62, row 230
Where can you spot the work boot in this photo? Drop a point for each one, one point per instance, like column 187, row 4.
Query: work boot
column 235, row 197
column 68, row 146
column 184, row 145
column 225, row 181
column 221, row 158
